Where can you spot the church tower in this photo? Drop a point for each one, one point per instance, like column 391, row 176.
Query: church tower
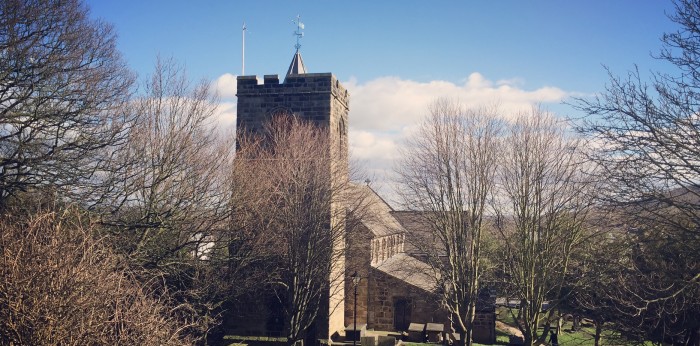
column 318, row 98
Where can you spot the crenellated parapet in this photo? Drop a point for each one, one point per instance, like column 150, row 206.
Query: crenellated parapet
column 317, row 97
column 308, row 83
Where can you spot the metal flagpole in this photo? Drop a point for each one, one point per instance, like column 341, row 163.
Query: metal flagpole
column 243, row 52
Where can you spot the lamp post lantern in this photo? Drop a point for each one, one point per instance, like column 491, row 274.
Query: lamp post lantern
column 355, row 281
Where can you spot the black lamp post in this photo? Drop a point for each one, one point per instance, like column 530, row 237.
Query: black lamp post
column 355, row 282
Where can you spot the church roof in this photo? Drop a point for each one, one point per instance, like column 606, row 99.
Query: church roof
column 297, row 66
column 409, row 270
column 417, row 227
column 376, row 213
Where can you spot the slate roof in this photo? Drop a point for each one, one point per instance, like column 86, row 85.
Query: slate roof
column 382, row 220
column 378, row 217
column 408, row 269
column 417, row 229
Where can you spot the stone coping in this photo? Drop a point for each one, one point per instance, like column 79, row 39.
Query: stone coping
column 434, row 327
column 416, row 327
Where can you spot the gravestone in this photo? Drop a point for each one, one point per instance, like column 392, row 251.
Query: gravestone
column 434, row 331
column 386, row 341
column 415, row 332
column 354, row 333
column 368, row 341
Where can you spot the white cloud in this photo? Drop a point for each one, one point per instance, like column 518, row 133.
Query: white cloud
column 512, row 82
column 371, row 145
column 225, row 115
column 385, row 110
column 391, row 103
column 225, row 86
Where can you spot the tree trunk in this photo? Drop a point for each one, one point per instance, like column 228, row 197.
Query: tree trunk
column 468, row 335
column 694, row 337
column 598, row 331
column 470, row 322
column 547, row 327
column 560, row 323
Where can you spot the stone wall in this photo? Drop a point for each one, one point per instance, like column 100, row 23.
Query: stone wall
column 317, row 97
column 387, row 291
column 484, row 330
column 357, row 260
column 378, row 292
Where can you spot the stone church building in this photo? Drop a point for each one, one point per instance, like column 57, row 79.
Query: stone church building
column 395, row 288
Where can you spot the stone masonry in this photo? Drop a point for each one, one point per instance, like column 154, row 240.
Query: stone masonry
column 388, row 292
column 317, row 97
column 388, row 297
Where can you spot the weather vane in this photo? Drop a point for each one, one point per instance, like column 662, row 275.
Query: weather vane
column 298, row 32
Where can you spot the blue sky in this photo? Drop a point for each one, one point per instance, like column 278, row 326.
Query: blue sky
column 543, row 43
column 395, row 57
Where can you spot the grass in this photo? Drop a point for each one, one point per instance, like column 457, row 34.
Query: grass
column 583, row 337
column 240, row 340
column 502, row 338
column 504, row 315
column 255, row 338
column 579, row 338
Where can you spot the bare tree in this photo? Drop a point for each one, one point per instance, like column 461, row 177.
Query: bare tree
column 306, row 191
column 448, row 174
column 594, row 275
column 544, row 203
column 633, row 286
column 62, row 285
column 654, row 293
column 167, row 203
column 250, row 251
column 61, row 80
column 647, row 140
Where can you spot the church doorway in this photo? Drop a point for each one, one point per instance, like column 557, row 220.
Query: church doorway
column 402, row 314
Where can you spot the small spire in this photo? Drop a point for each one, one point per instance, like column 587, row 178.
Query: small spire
column 297, row 65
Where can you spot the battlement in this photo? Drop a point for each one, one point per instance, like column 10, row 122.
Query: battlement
column 308, row 83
